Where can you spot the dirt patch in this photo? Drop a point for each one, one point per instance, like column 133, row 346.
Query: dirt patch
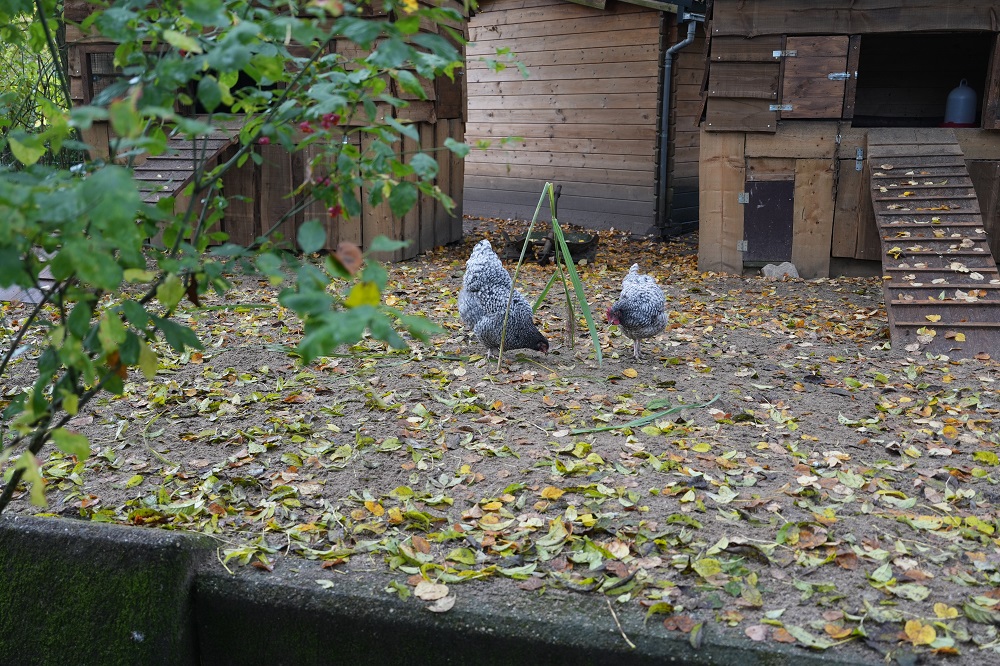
column 832, row 492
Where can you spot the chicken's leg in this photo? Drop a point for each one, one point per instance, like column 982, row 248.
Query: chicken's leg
column 635, row 350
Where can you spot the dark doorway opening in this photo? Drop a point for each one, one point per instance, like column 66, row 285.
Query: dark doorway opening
column 904, row 79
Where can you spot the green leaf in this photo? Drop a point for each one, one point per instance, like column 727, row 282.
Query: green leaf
column 148, row 362
column 390, row 54
column 460, row 149
column 462, row 555
column 181, row 41
column 210, row 93
column 307, row 303
column 806, row 638
column 706, row 567
column 32, row 476
column 27, row 151
column 311, row 236
column 125, row 119
column 425, row 166
column 660, row 608
column 402, row 198
column 987, row 458
column 135, row 313
column 170, row 291
column 72, row 443
column 177, row 336
column 384, row 244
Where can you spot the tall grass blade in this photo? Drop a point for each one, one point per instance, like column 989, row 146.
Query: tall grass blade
column 563, row 250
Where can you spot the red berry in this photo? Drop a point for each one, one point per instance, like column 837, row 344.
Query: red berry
column 306, row 127
column 263, row 140
column 334, row 211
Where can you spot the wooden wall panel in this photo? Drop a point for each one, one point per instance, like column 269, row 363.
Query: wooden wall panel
column 723, row 175
column 587, row 114
column 813, row 222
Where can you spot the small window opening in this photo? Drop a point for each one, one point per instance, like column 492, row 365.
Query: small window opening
column 103, row 72
column 904, row 79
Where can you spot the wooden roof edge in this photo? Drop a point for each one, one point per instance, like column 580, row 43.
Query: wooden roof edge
column 669, row 7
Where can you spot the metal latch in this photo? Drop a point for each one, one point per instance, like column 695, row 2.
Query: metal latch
column 779, row 107
column 839, row 76
column 784, row 54
column 743, row 198
column 859, row 160
column 741, row 246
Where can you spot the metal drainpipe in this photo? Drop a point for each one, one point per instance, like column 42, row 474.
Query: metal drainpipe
column 668, row 64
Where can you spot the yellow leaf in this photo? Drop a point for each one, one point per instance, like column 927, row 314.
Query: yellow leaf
column 933, row 318
column 630, row 372
column 703, row 447
column 552, row 493
column 944, row 611
column 950, row 431
column 918, row 633
column 837, row 632
column 376, row 508
column 363, row 293
column 960, row 337
column 493, row 506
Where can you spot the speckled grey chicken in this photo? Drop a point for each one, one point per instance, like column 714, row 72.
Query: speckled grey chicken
column 639, row 309
column 482, row 301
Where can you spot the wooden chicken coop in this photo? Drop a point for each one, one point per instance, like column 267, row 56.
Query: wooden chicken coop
column 827, row 140
column 598, row 113
column 258, row 192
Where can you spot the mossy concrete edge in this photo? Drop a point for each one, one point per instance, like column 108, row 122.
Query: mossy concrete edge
column 90, row 593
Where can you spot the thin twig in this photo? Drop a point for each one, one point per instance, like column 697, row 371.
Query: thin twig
column 618, row 624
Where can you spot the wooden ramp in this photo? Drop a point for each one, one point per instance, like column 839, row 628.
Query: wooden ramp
column 942, row 289
column 167, row 174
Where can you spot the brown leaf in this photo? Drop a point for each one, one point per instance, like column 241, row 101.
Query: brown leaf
column 756, row 632
column 421, row 544
column 782, row 636
column 847, row 560
column 350, row 256
column 682, row 623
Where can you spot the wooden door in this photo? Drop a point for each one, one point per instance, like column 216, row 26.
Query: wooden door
column 815, row 77
column 767, row 220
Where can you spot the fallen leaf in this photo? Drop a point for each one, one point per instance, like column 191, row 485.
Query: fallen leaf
column 442, row 605
column 429, row 591
column 919, row 633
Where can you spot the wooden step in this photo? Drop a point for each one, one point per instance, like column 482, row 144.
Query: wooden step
column 932, row 230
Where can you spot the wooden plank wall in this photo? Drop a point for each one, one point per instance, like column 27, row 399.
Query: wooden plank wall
column 751, row 18
column 586, row 116
column 427, row 225
column 689, row 71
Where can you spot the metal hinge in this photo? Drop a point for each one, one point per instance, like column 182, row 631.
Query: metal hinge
column 784, row 54
column 859, row 160
column 743, row 198
column 779, row 107
column 741, row 246
column 839, row 76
